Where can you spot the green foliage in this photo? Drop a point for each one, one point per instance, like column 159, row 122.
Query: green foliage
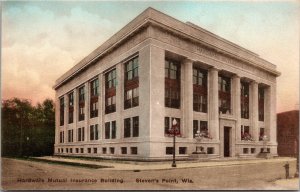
column 27, row 130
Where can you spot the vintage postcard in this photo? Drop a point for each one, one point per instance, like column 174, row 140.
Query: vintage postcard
column 150, row 95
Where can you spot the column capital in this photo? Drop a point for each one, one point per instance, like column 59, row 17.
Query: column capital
column 254, row 82
column 214, row 69
column 236, row 76
column 188, row 60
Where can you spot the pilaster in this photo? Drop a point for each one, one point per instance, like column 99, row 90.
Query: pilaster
column 65, row 118
column 213, row 99
column 75, row 113
column 119, row 99
column 86, row 111
column 57, row 127
column 101, row 100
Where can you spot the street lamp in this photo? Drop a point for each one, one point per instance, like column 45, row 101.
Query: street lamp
column 174, row 130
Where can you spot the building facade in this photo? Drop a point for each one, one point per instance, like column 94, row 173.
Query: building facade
column 120, row 101
column 288, row 133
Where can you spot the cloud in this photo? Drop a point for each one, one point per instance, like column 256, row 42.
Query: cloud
column 39, row 46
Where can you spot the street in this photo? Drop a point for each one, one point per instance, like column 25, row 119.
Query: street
column 21, row 174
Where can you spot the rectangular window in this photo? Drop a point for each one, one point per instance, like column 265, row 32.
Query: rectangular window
column 77, row 150
column 195, row 128
column 61, row 111
column 132, row 69
column 172, row 84
column 80, row 134
column 124, row 150
column 202, row 129
column 81, row 150
column 131, row 98
column 70, row 135
column 112, row 150
column 261, row 103
column 71, row 107
column 169, row 150
column 89, row 150
column 182, row 150
column 224, row 94
column 81, row 104
column 245, row 133
column 95, row 150
column 110, row 91
column 94, row 98
column 127, row 126
column 131, row 83
column 135, row 126
column 199, row 90
column 107, row 130
column 67, row 150
column 244, row 100
column 104, row 150
column 167, row 125
column 261, row 133
column 61, row 137
column 134, row 150
column 245, row 150
column 252, row 150
column 210, row 150
column 94, row 132
column 113, row 129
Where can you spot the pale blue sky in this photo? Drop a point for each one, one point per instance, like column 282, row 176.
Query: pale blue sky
column 42, row 40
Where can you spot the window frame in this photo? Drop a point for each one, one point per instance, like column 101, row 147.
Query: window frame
column 94, row 94
column 245, row 89
column 81, row 103
column 71, row 108
column 172, row 84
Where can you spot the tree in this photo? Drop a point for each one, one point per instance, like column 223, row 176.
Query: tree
column 27, row 130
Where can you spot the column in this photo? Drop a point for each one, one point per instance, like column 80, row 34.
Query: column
column 86, row 111
column 213, row 104
column 119, row 99
column 270, row 113
column 187, row 93
column 254, row 109
column 236, row 84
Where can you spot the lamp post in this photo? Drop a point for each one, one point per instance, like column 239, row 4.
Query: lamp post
column 174, row 130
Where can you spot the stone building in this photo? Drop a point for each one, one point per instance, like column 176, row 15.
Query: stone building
column 121, row 99
column 288, row 133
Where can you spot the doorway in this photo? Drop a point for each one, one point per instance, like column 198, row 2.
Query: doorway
column 227, row 141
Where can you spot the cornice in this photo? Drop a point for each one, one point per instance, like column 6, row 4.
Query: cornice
column 187, row 30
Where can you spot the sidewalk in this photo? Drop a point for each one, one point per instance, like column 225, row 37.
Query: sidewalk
column 167, row 165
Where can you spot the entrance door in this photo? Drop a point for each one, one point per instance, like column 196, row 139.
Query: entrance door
column 227, row 141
